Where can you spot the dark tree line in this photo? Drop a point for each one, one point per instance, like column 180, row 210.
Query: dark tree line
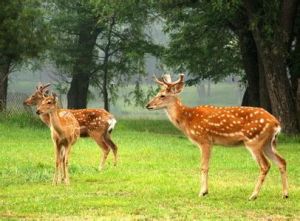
column 103, row 43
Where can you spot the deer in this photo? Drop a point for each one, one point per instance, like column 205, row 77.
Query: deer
column 207, row 125
column 65, row 131
column 95, row 123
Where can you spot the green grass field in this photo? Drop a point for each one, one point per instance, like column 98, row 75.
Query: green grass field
column 157, row 178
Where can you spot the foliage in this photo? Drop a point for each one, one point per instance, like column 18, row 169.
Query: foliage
column 23, row 31
column 157, row 178
column 120, row 46
column 200, row 41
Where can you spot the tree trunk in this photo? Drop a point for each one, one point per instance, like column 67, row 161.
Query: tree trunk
column 3, row 91
column 77, row 94
column 272, row 50
column 250, row 63
column 105, row 90
column 280, row 92
column 298, row 101
column 82, row 68
column 4, row 71
column 105, row 64
column 263, row 91
column 245, row 100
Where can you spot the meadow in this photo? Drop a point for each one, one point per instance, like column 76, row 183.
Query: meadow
column 157, row 177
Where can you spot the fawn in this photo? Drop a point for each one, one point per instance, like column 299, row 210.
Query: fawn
column 95, row 123
column 207, row 125
column 65, row 131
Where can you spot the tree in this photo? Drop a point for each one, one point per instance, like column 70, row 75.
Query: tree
column 121, row 47
column 272, row 25
column 263, row 31
column 75, row 27
column 99, row 43
column 200, row 42
column 23, row 35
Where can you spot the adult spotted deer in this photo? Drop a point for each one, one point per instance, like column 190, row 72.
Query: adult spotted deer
column 207, row 125
column 95, row 123
column 65, row 131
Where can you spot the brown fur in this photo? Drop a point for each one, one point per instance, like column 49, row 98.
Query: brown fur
column 64, row 133
column 92, row 122
column 209, row 125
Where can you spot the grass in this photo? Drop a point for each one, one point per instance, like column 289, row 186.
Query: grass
column 157, row 178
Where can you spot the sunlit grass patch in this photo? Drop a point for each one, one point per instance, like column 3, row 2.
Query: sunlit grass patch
column 157, row 178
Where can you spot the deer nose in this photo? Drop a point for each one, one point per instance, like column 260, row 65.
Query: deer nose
column 38, row 112
column 148, row 107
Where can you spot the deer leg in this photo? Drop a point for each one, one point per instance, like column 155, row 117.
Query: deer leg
column 66, row 164
column 264, row 169
column 205, row 156
column 105, row 151
column 104, row 147
column 62, row 155
column 56, row 177
column 271, row 153
column 113, row 146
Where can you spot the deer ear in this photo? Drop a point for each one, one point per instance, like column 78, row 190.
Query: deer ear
column 55, row 97
column 45, row 86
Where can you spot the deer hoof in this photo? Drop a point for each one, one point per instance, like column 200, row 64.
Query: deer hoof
column 285, row 196
column 202, row 194
column 253, row 197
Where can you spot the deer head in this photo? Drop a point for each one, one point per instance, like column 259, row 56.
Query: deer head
column 38, row 95
column 168, row 92
column 47, row 105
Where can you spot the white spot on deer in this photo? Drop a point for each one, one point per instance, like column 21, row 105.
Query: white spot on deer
column 251, row 115
column 261, row 120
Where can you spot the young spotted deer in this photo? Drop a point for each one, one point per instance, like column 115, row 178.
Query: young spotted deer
column 95, row 123
column 65, row 131
column 207, row 125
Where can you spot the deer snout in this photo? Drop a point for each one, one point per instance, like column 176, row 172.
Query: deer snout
column 38, row 112
column 25, row 102
column 148, row 106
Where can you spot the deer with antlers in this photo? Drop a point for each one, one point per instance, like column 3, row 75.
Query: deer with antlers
column 95, row 123
column 65, row 131
column 207, row 125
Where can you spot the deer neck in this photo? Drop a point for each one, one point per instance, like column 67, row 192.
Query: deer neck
column 55, row 122
column 175, row 112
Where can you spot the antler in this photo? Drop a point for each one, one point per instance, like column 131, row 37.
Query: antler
column 162, row 83
column 181, row 77
column 166, row 80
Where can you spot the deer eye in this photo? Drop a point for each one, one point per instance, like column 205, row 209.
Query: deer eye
column 162, row 96
column 49, row 102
